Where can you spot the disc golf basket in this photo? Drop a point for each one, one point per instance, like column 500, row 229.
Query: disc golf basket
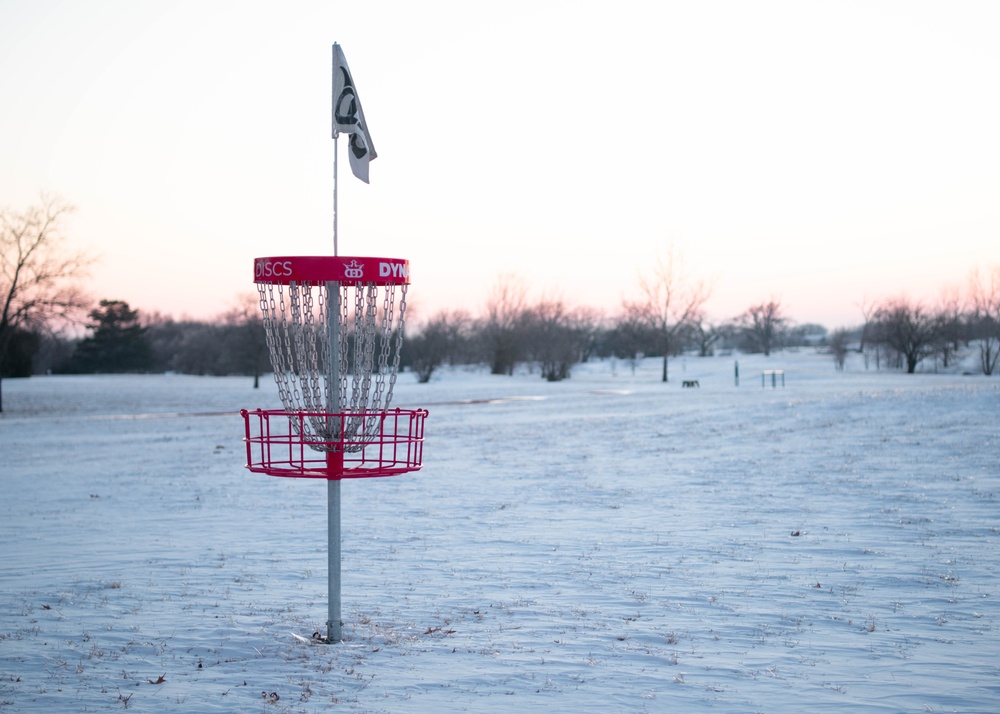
column 334, row 328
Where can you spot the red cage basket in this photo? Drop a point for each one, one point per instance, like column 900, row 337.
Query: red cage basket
column 280, row 443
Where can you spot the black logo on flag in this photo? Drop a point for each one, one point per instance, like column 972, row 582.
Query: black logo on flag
column 345, row 111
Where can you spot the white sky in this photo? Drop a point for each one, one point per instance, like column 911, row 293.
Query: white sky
column 822, row 153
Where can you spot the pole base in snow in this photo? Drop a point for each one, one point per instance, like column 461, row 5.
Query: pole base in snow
column 333, row 635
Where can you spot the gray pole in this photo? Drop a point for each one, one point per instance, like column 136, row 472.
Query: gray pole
column 333, row 623
column 335, row 462
column 335, row 144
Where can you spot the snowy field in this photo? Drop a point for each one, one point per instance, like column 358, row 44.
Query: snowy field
column 604, row 544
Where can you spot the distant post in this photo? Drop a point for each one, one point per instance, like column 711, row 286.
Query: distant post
column 773, row 373
column 736, row 372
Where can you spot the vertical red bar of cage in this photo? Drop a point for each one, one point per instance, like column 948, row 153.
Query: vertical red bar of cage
column 246, row 427
column 335, row 452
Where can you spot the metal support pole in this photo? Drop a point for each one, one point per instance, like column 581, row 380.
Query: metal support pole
column 333, row 624
column 334, row 462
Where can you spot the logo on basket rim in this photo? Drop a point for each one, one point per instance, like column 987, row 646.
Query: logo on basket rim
column 395, row 270
column 353, row 270
column 272, row 268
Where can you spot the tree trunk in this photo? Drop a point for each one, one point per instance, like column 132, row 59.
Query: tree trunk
column 987, row 357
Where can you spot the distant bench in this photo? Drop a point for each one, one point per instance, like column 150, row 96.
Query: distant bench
column 690, row 383
column 773, row 374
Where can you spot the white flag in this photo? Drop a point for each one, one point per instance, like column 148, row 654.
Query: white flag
column 349, row 118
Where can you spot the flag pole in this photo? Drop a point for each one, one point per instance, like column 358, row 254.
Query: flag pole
column 334, row 624
column 336, row 134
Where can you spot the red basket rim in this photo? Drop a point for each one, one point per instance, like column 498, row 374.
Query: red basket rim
column 344, row 269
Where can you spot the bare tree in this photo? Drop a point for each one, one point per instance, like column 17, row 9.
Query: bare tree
column 505, row 310
column 437, row 341
column 671, row 302
column 629, row 336
column 37, row 274
column 588, row 323
column 951, row 330
column 706, row 336
column 246, row 337
column 909, row 329
column 984, row 299
column 838, row 347
column 557, row 337
column 869, row 310
column 764, row 325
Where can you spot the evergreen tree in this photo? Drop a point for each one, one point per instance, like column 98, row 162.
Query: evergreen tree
column 118, row 342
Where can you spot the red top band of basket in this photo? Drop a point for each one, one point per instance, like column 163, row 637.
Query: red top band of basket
column 349, row 270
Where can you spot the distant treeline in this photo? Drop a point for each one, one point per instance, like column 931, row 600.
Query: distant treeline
column 550, row 338
column 547, row 337
column 122, row 340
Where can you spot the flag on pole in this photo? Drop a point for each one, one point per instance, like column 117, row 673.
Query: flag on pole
column 348, row 117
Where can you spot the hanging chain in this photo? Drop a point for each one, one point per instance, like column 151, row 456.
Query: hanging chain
column 398, row 348
column 345, row 337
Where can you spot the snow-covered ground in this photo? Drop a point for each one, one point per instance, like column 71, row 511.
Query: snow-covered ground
column 610, row 544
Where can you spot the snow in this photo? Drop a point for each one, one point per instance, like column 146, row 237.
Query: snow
column 608, row 543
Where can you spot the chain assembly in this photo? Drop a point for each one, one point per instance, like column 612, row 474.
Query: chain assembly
column 312, row 326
